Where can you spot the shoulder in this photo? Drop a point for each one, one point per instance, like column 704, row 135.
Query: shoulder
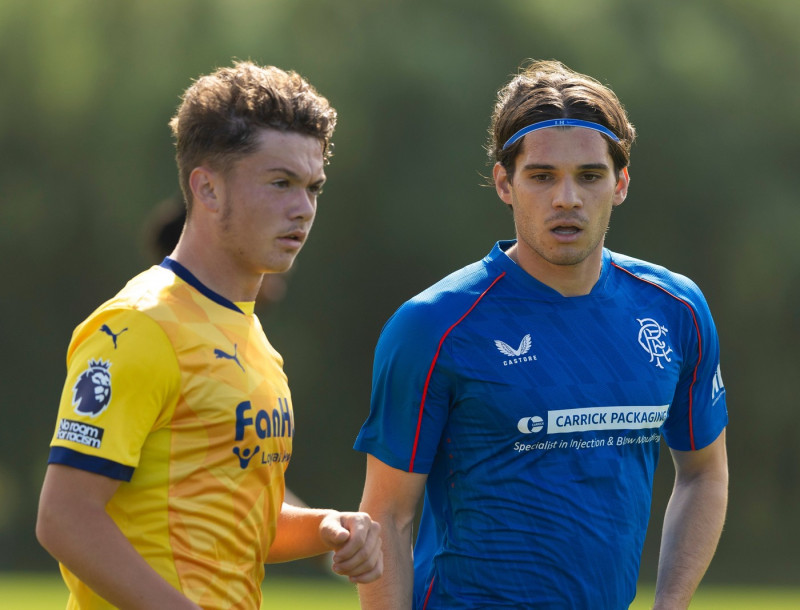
column 650, row 276
column 147, row 290
column 131, row 308
column 435, row 309
column 151, row 289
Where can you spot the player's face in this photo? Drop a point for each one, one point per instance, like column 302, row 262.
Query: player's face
column 562, row 193
column 270, row 200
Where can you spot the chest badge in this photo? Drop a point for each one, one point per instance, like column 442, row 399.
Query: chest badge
column 652, row 338
column 518, row 355
column 507, row 350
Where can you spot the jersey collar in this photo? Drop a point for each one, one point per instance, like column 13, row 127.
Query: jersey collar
column 188, row 277
column 498, row 257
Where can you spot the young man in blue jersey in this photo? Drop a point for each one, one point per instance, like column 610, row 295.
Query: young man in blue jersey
column 165, row 482
column 525, row 395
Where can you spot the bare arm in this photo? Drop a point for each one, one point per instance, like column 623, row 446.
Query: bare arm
column 391, row 497
column 75, row 528
column 354, row 538
column 692, row 523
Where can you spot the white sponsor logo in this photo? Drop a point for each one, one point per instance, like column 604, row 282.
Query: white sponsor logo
column 717, row 387
column 516, row 355
column 651, row 338
column 605, row 418
column 506, row 349
column 529, row 425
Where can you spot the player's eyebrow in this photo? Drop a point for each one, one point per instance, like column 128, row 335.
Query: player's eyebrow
column 546, row 166
column 599, row 166
column 538, row 166
column 294, row 175
column 282, row 170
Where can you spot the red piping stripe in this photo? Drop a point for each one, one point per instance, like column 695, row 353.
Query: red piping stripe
column 433, row 364
column 699, row 346
column 430, row 588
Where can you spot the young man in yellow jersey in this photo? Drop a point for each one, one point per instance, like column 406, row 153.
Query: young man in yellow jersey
column 165, row 482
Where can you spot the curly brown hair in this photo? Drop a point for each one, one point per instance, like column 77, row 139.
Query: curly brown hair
column 220, row 116
column 546, row 90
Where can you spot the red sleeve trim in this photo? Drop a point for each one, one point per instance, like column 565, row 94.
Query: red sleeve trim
column 430, row 588
column 699, row 346
column 433, row 365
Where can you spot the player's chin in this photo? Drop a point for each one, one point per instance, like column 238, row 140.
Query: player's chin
column 279, row 264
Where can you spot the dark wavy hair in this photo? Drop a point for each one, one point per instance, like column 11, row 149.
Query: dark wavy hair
column 546, row 90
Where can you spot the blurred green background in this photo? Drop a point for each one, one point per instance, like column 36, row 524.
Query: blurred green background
column 713, row 88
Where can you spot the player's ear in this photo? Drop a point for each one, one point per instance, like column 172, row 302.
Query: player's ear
column 502, row 183
column 621, row 189
column 205, row 184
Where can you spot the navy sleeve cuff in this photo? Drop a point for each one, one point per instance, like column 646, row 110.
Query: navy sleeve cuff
column 90, row 463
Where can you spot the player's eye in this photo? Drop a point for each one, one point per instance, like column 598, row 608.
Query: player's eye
column 315, row 189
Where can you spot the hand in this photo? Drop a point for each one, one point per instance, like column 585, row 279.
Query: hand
column 356, row 541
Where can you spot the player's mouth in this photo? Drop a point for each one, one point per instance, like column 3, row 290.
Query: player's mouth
column 566, row 232
column 566, row 227
column 294, row 239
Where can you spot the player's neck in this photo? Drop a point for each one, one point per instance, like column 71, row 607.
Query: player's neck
column 214, row 270
column 568, row 280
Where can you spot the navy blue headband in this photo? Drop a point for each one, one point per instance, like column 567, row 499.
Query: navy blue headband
column 560, row 123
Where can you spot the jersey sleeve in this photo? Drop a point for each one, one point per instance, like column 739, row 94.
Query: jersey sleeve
column 122, row 382
column 698, row 413
column 411, row 394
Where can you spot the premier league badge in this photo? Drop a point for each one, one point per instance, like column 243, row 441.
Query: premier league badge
column 92, row 391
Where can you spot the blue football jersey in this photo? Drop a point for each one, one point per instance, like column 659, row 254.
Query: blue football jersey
column 538, row 420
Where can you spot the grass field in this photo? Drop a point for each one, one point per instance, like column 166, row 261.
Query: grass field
column 47, row 592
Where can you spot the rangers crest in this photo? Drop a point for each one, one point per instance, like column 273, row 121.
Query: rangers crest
column 92, row 391
column 652, row 338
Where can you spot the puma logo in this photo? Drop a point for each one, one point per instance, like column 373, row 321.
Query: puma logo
column 105, row 329
column 221, row 354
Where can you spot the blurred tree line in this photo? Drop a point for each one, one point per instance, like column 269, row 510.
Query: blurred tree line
column 713, row 87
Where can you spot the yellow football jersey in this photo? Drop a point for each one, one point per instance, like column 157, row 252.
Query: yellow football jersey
column 176, row 391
